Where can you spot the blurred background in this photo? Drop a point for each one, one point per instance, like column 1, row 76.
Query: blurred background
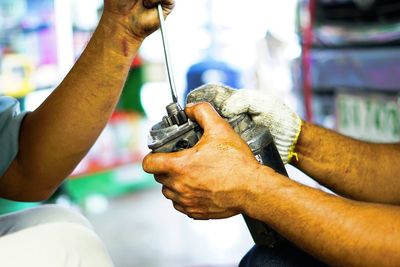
column 336, row 62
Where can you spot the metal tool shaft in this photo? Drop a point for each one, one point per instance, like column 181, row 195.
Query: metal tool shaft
column 167, row 55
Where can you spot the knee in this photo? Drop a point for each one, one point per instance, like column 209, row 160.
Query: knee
column 53, row 214
column 57, row 244
column 74, row 242
column 39, row 216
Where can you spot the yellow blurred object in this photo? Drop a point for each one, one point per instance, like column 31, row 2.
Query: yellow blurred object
column 16, row 75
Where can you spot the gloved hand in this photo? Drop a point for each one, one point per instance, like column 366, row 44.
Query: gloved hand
column 282, row 122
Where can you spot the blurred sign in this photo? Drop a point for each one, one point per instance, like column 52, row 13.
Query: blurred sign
column 16, row 75
column 370, row 117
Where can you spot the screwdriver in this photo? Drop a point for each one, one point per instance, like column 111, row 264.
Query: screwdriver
column 167, row 55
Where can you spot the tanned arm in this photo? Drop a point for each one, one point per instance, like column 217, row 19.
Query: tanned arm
column 56, row 136
column 355, row 169
column 339, row 231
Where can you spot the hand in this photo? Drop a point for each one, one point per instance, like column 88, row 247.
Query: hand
column 210, row 180
column 139, row 16
column 283, row 123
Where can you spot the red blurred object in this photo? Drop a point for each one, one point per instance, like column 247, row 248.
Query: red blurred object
column 306, row 61
column 137, row 62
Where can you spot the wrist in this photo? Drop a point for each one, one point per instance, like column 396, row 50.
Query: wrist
column 304, row 146
column 116, row 25
column 292, row 148
column 264, row 183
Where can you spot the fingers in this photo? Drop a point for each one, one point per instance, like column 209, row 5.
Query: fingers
column 191, row 204
column 169, row 4
column 164, row 180
column 170, row 194
column 194, row 207
column 206, row 116
column 203, row 215
column 195, row 216
column 179, row 207
column 151, row 3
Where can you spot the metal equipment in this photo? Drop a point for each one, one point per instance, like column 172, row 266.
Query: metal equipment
column 176, row 132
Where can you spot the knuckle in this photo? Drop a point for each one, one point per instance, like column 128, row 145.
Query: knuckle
column 165, row 191
column 203, row 105
column 179, row 208
column 158, row 179
column 177, row 187
column 146, row 164
column 198, row 216
column 188, row 202
column 191, row 216
column 193, row 210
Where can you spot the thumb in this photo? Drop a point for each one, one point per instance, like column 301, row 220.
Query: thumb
column 205, row 115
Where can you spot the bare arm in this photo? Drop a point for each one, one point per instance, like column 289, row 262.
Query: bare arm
column 56, row 136
column 336, row 230
column 219, row 178
column 355, row 169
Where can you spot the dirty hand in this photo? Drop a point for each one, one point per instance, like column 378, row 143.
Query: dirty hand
column 139, row 16
column 283, row 123
column 212, row 179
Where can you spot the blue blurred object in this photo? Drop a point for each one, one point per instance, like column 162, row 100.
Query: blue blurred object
column 353, row 23
column 211, row 71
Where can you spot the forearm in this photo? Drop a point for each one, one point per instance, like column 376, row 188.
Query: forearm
column 358, row 170
column 336, row 230
column 56, row 136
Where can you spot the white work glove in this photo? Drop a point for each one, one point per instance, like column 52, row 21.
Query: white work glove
column 282, row 122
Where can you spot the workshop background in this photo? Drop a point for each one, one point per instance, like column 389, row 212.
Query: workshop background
column 336, row 62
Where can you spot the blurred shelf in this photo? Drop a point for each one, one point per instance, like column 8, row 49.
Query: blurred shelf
column 357, row 12
column 356, row 35
column 366, row 69
column 351, row 23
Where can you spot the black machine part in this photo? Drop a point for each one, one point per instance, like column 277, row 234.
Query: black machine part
column 176, row 132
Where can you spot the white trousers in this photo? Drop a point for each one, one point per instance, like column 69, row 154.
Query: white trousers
column 50, row 236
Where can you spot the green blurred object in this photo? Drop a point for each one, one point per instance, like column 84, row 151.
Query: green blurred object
column 111, row 183
column 130, row 97
column 21, row 102
column 8, row 206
